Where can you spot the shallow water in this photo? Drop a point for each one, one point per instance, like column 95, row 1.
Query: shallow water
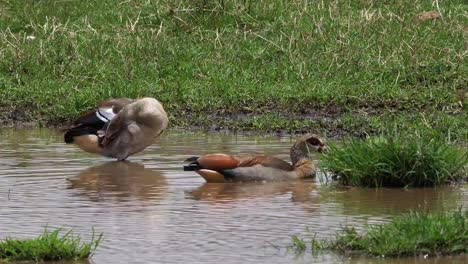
column 151, row 211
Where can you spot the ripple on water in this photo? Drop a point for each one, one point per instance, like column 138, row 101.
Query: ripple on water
column 152, row 211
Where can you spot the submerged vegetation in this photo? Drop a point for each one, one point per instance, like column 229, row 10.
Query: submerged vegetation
column 396, row 160
column 329, row 66
column 415, row 233
column 299, row 244
column 50, row 245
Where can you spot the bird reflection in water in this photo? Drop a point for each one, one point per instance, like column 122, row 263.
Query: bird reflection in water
column 301, row 191
column 121, row 180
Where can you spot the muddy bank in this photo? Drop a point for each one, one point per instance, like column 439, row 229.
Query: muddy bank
column 331, row 120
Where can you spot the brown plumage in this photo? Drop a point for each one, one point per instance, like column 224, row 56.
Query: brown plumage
column 226, row 168
column 119, row 128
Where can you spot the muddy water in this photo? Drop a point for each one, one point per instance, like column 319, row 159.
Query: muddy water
column 151, row 211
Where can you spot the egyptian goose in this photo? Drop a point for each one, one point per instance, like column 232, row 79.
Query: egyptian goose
column 226, row 168
column 119, row 127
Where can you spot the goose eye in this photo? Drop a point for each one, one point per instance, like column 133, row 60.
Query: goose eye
column 313, row 141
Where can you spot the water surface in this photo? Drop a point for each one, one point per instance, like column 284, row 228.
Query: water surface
column 151, row 211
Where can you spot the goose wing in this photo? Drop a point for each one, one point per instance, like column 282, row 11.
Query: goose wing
column 114, row 129
column 219, row 162
column 267, row 161
column 105, row 112
column 93, row 121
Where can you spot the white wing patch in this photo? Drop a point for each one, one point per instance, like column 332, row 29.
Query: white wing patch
column 105, row 114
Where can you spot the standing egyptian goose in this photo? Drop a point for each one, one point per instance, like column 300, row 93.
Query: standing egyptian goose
column 119, row 127
column 226, row 168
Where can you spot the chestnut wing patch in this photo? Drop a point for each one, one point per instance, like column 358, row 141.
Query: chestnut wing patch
column 218, row 161
column 224, row 162
column 267, row 161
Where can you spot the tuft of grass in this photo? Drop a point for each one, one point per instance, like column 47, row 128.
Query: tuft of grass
column 298, row 244
column 414, row 233
column 395, row 160
column 48, row 246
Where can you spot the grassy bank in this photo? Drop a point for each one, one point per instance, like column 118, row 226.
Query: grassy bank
column 49, row 246
column 415, row 233
column 336, row 66
column 396, row 160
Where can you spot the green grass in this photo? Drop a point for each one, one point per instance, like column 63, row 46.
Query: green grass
column 396, row 160
column 298, row 244
column 309, row 64
column 48, row 246
column 414, row 233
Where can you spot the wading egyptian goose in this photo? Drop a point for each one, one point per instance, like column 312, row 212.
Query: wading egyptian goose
column 226, row 168
column 119, row 127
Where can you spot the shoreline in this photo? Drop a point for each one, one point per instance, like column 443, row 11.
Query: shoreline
column 333, row 125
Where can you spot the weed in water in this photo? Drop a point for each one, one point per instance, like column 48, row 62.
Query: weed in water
column 48, row 246
column 317, row 245
column 412, row 234
column 298, row 244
